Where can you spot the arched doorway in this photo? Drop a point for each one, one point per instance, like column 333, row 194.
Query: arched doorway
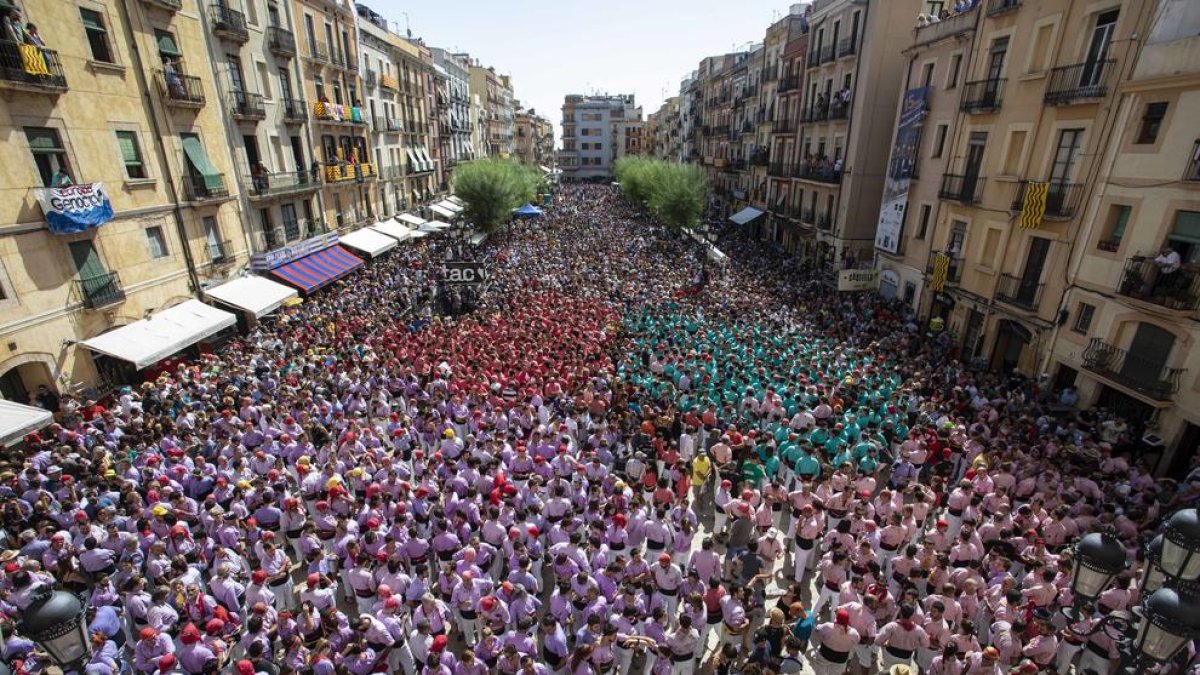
column 27, row 379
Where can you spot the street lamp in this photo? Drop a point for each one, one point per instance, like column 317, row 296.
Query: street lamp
column 1169, row 616
column 55, row 622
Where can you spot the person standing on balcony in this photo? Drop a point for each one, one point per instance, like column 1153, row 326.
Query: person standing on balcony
column 1168, row 262
column 61, row 178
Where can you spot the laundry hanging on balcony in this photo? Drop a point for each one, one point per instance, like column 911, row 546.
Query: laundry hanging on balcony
column 1033, row 206
column 941, row 270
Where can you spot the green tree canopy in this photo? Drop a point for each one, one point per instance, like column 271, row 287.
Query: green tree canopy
column 491, row 188
column 674, row 193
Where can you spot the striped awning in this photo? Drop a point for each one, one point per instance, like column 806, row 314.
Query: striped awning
column 319, row 269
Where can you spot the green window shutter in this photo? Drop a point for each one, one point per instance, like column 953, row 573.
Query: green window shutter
column 1187, row 227
column 1122, row 221
column 166, row 44
column 129, row 149
column 42, row 140
column 92, row 20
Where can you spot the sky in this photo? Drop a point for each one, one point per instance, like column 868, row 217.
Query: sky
column 552, row 48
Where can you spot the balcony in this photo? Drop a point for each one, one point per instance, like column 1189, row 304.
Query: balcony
column 940, row 30
column 960, row 188
column 1018, row 291
column 169, row 5
column 318, row 51
column 998, row 7
column 294, row 111
column 789, row 83
column 1145, row 375
column 769, row 74
column 1062, row 199
column 198, row 188
column 1144, row 280
column 785, row 125
column 229, row 23
column 343, row 173
column 370, row 77
column 389, row 82
column 847, row 46
column 982, row 96
column 219, row 252
column 818, row 173
column 760, row 158
column 738, row 165
column 338, row 114
column 184, row 91
column 824, row 222
column 281, row 42
column 29, row 68
column 779, row 170
column 815, row 113
column 337, row 57
column 266, row 185
column 953, row 273
column 1079, row 83
column 1192, row 173
column 244, row 105
column 100, row 291
column 808, row 216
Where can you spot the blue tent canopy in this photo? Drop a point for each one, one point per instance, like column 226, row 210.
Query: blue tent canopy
column 528, row 211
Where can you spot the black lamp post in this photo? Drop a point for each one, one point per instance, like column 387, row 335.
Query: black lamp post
column 55, row 621
column 1169, row 616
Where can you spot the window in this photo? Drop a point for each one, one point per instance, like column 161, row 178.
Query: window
column 939, row 140
column 212, row 239
column 1042, row 49
column 1114, row 227
column 1152, row 122
column 955, row 66
column 97, row 35
column 49, row 155
column 927, row 74
column 157, row 242
column 1083, row 318
column 131, row 154
column 1012, row 156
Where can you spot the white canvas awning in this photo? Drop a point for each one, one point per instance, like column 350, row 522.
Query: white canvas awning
column 410, row 219
column 392, row 229
column 368, row 241
column 456, row 200
column 17, row 420
column 478, row 238
column 419, row 234
column 745, row 215
column 423, row 153
column 258, row 295
column 435, row 226
column 450, row 206
column 146, row 342
column 442, row 211
column 545, row 169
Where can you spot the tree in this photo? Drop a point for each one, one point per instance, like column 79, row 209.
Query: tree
column 491, row 188
column 674, row 193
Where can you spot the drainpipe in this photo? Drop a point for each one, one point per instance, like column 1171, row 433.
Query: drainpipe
column 160, row 149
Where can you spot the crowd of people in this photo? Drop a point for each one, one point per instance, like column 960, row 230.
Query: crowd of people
column 626, row 459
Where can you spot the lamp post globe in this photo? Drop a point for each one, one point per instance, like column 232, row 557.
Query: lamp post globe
column 1152, row 574
column 55, row 622
column 1180, row 560
column 1099, row 557
column 1170, row 620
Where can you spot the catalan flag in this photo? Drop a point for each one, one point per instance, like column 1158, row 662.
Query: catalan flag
column 941, row 270
column 1033, row 206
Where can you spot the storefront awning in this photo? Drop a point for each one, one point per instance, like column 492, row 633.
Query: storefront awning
column 369, row 241
column 745, row 215
column 456, row 200
column 419, row 234
column 257, row 295
column 478, row 238
column 450, row 206
column 146, row 342
column 319, row 269
column 442, row 211
column 411, row 219
column 435, row 226
column 17, row 420
column 392, row 229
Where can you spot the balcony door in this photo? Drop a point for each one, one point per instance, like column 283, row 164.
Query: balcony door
column 237, row 81
column 1065, row 157
column 1098, row 49
column 272, row 15
column 1035, row 262
column 1147, row 355
column 94, row 279
column 975, row 147
column 991, row 85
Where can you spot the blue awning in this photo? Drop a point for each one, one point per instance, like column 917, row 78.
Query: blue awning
column 745, row 215
column 319, row 269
